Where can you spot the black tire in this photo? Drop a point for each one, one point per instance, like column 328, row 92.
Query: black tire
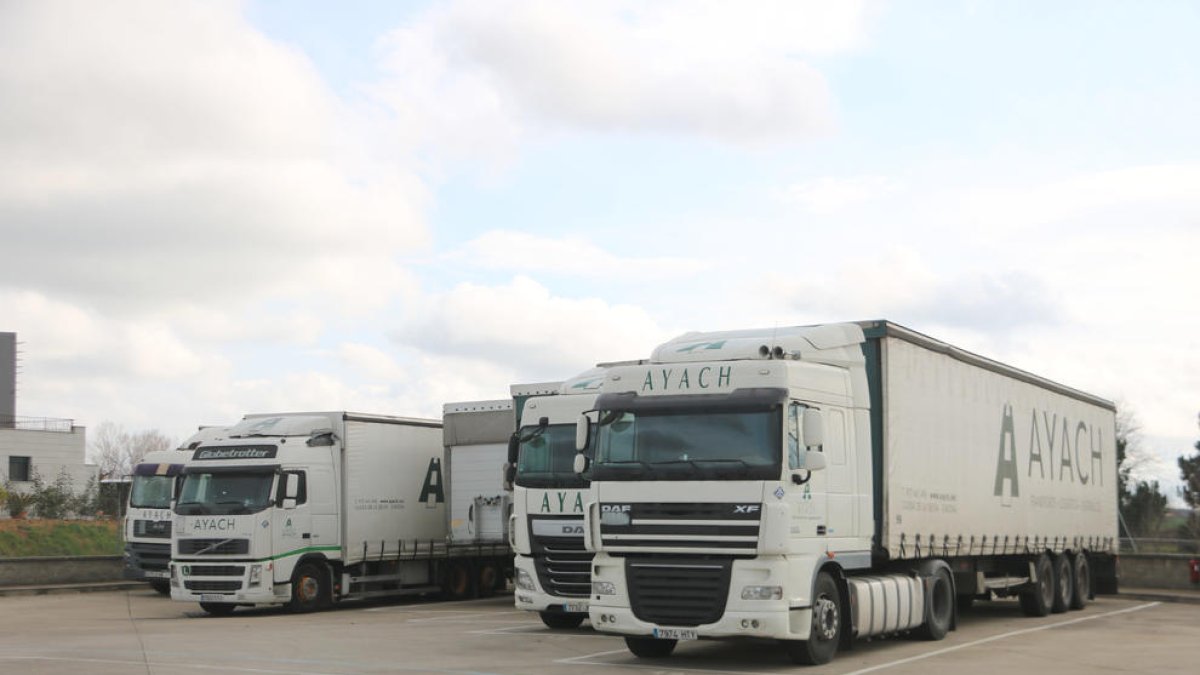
column 489, row 573
column 1082, row 575
column 827, row 612
column 458, row 583
column 162, row 587
column 218, row 608
column 310, row 588
column 650, row 648
column 558, row 620
column 1064, row 585
column 939, row 615
column 1037, row 601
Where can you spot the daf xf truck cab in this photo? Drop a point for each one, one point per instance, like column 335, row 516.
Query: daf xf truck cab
column 821, row 483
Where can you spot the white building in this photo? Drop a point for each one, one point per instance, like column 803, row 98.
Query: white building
column 29, row 446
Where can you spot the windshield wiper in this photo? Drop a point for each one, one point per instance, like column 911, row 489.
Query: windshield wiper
column 190, row 503
column 645, row 465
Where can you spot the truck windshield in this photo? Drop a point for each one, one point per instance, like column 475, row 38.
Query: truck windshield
column 547, row 458
column 151, row 492
column 225, row 492
column 689, row 445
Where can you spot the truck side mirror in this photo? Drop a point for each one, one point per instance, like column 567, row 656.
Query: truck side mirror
column 583, row 431
column 514, row 447
column 581, row 463
column 510, row 476
column 291, row 490
column 814, row 461
column 813, row 431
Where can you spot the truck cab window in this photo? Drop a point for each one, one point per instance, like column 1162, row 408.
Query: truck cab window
column 301, row 493
column 793, row 431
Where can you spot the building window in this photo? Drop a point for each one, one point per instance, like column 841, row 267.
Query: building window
column 18, row 469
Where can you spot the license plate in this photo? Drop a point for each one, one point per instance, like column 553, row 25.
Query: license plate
column 575, row 607
column 156, row 574
column 675, row 633
column 212, row 597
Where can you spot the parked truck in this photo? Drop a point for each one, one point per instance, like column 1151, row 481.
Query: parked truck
column 553, row 576
column 307, row 509
column 818, row 484
column 148, row 513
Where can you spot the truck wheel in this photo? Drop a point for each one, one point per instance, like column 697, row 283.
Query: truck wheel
column 822, row 642
column 1038, row 600
column 650, row 648
column 161, row 587
column 940, row 612
column 488, row 574
column 309, row 588
column 558, row 620
column 1082, row 575
column 218, row 608
column 457, row 583
column 1064, row 585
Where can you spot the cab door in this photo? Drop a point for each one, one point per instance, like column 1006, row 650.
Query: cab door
column 292, row 527
column 808, row 500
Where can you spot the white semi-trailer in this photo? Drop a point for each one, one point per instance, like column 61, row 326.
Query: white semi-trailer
column 817, row 484
column 305, row 509
column 148, row 513
column 553, row 576
column 475, row 435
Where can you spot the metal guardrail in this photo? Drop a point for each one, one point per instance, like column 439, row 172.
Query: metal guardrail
column 1159, row 545
column 53, row 424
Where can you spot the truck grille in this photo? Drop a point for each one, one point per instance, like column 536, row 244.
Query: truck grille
column 563, row 566
column 678, row 591
column 217, row 570
column 684, row 527
column 213, row 586
column 218, row 546
column 154, row 529
column 149, row 556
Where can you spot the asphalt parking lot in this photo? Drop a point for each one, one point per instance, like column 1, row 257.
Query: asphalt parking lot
column 141, row 632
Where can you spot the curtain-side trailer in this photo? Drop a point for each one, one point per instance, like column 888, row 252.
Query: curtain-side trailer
column 817, row 484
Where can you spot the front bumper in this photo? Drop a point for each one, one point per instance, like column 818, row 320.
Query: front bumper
column 538, row 600
column 788, row 617
column 226, row 582
column 146, row 561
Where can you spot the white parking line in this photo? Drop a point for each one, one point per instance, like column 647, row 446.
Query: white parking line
column 1003, row 636
column 589, row 659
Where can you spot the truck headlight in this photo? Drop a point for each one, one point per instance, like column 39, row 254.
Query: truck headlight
column 255, row 575
column 762, row 592
column 174, row 576
column 524, row 581
column 604, row 588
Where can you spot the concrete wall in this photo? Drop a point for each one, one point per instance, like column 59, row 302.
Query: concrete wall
column 1155, row 570
column 59, row 570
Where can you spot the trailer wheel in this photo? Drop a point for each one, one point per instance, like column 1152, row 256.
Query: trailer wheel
column 940, row 612
column 1082, row 576
column 310, row 588
column 488, row 576
column 558, row 620
column 650, row 648
column 161, row 587
column 457, row 583
column 822, row 642
column 1038, row 600
column 218, row 608
column 1064, row 585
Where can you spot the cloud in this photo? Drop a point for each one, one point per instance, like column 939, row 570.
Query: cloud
column 525, row 327
column 164, row 151
column 829, row 195
column 478, row 75
column 567, row 256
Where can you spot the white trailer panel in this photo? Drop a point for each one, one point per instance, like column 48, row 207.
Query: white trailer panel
column 393, row 483
column 979, row 461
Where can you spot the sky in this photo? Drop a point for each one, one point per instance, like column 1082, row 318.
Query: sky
column 214, row 208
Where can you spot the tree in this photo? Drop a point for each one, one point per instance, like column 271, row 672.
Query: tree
column 1143, row 505
column 117, row 451
column 1189, row 471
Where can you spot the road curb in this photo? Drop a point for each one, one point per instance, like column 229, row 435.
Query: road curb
column 57, row 589
column 1163, row 596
